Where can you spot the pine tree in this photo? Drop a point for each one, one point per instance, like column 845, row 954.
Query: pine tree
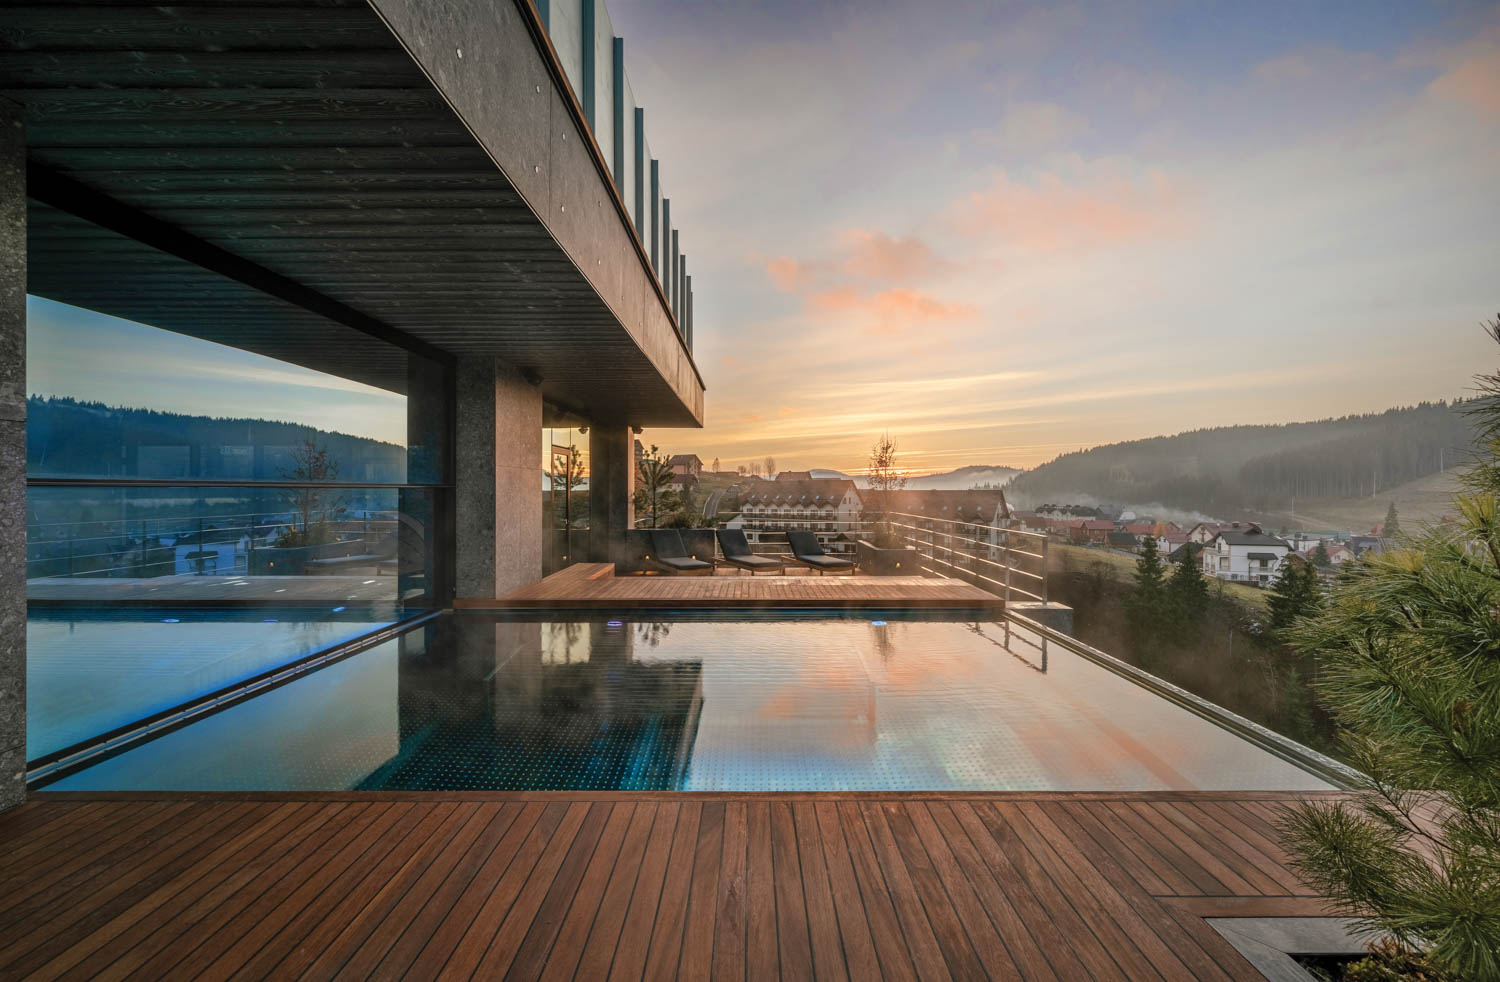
column 1320, row 556
column 1146, row 607
column 1409, row 655
column 1392, row 527
column 1188, row 595
column 1296, row 593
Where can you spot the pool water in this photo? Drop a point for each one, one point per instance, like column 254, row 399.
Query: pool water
column 480, row 701
column 91, row 671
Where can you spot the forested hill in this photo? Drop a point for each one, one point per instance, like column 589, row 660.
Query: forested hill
column 67, row 437
column 1228, row 470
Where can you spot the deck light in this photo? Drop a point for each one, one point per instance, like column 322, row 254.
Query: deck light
column 270, row 620
column 171, row 620
column 614, row 623
column 877, row 623
column 339, row 610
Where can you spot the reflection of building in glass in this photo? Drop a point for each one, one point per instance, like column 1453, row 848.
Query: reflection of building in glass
column 518, row 705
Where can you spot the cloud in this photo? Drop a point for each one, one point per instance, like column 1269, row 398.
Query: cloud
column 1472, row 77
column 882, row 258
column 1052, row 213
column 787, row 274
column 1033, row 126
column 888, row 313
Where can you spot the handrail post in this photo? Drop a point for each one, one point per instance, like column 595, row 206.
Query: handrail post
column 1044, row 576
column 1007, row 577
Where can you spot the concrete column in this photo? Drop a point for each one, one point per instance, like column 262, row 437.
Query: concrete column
column 611, row 490
column 497, row 479
column 12, row 456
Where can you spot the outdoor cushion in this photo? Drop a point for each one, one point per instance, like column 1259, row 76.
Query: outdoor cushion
column 825, row 562
column 667, row 544
column 805, row 544
column 734, row 544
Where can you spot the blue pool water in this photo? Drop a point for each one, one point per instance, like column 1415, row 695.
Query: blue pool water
column 91, row 671
column 478, row 701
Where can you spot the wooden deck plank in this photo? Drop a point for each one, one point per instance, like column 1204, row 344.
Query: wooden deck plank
column 671, row 908
column 898, row 846
column 791, row 910
column 731, row 905
column 621, row 885
column 762, row 949
column 853, row 923
column 628, row 959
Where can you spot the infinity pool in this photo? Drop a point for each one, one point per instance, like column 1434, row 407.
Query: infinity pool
column 478, row 701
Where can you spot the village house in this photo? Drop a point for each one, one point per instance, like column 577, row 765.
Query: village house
column 1244, row 555
column 1092, row 530
column 824, row 505
column 685, row 465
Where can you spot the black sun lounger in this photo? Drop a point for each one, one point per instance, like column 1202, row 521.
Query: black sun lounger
column 737, row 552
column 807, row 551
column 671, row 556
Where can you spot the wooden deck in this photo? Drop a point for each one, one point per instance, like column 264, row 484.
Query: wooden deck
column 627, row 885
column 586, row 586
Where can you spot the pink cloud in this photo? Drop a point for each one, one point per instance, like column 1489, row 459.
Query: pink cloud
column 1472, row 78
column 1052, row 213
column 889, row 312
column 882, row 258
column 788, row 274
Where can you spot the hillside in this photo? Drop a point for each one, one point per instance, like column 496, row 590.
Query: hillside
column 961, row 479
column 1426, row 499
column 69, row 438
column 1259, row 471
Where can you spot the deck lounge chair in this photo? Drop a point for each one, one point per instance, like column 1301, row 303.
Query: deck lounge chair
column 737, row 552
column 808, row 551
column 671, row 556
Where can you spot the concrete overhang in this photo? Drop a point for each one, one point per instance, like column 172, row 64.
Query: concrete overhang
column 294, row 179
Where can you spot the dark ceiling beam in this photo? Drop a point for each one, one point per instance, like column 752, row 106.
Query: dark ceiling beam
column 67, row 195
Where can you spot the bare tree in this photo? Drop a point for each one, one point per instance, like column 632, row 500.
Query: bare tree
column 655, row 475
column 716, row 465
column 770, row 467
column 743, row 470
column 314, row 507
column 885, row 481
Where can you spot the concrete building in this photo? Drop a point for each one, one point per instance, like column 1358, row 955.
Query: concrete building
column 453, row 205
column 828, row 506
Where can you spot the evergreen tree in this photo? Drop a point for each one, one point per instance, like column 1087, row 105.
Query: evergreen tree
column 1409, row 653
column 1296, row 593
column 1392, row 523
column 1146, row 607
column 1188, row 595
column 1320, row 556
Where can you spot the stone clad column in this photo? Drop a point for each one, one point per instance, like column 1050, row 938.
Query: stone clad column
column 611, row 490
column 12, row 456
column 497, row 479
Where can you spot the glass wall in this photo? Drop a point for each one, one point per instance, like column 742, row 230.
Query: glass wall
column 200, row 515
column 565, row 497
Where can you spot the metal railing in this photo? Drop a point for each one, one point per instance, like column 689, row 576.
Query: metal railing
column 157, row 546
column 1011, row 563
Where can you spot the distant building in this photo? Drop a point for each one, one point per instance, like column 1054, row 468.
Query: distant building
column 827, row 506
column 1203, row 533
column 793, row 476
column 686, row 465
column 1244, row 555
column 1169, row 542
column 1092, row 530
column 1122, row 539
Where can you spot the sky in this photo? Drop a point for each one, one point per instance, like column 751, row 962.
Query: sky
column 1001, row 231
column 88, row 355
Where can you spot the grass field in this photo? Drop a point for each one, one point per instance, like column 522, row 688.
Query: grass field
column 1123, row 568
column 1424, row 500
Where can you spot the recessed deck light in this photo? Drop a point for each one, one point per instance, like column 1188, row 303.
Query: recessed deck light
column 877, row 623
column 171, row 620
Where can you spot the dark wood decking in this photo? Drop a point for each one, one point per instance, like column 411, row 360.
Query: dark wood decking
column 594, row 586
column 626, row 886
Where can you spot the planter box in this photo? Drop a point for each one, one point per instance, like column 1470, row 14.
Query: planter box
column 878, row 561
column 699, row 542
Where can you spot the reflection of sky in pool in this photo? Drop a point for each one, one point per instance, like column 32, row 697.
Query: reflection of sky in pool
column 88, row 673
column 473, row 701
